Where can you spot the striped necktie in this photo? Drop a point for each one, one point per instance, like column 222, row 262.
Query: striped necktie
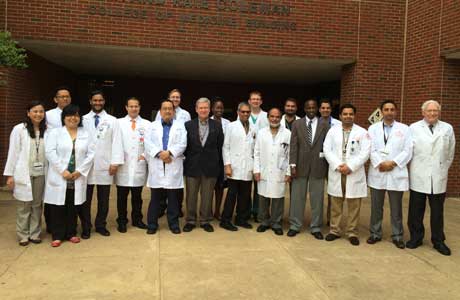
column 309, row 131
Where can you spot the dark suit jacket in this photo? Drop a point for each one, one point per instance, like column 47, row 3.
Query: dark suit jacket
column 305, row 156
column 207, row 160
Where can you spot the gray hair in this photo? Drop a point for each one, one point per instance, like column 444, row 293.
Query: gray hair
column 244, row 103
column 203, row 100
column 426, row 103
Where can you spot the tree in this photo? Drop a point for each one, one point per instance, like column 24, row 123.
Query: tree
column 10, row 54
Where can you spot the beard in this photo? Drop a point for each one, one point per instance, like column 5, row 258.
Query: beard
column 275, row 125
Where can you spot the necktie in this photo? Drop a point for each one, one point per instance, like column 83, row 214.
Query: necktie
column 431, row 128
column 133, row 124
column 96, row 120
column 309, row 130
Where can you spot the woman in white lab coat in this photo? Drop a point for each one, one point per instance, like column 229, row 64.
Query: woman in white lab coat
column 25, row 172
column 70, row 152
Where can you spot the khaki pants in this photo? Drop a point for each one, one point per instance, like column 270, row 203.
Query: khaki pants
column 29, row 214
column 354, row 206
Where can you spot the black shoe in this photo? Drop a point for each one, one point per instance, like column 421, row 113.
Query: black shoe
column 103, row 231
column 207, row 227
column 318, row 235
column 151, row 231
column 24, row 243
column 244, row 225
column 354, row 240
column 228, row 226
column 175, row 230
column 140, row 225
column 292, row 233
column 331, row 237
column 85, row 234
column 442, row 248
column 188, row 227
column 122, row 228
column 372, row 240
column 399, row 244
column 412, row 244
column 278, row 231
column 262, row 228
column 35, row 241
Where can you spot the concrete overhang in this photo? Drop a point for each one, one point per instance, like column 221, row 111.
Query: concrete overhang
column 186, row 65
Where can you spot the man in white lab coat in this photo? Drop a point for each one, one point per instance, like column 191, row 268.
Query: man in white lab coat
column 238, row 155
column 259, row 120
column 434, row 147
column 109, row 154
column 132, row 175
column 391, row 151
column 183, row 116
column 62, row 98
column 165, row 144
column 347, row 148
column 325, row 110
column 271, row 171
column 290, row 110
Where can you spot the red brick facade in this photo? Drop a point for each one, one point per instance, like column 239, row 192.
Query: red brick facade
column 398, row 47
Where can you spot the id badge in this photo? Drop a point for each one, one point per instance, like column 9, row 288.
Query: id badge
column 38, row 166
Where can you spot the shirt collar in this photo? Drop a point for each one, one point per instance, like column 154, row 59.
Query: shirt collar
column 163, row 123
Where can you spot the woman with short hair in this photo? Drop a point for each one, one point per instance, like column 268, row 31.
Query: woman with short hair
column 70, row 152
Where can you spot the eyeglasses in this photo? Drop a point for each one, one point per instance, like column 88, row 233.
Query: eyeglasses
column 63, row 97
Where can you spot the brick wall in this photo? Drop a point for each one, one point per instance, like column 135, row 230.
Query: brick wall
column 22, row 86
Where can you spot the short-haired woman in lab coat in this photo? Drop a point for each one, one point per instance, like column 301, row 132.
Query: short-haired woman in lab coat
column 70, row 153
column 25, row 172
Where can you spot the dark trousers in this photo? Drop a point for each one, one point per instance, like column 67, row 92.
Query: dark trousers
column 136, row 204
column 47, row 215
column 255, row 200
column 239, row 192
column 417, row 205
column 103, row 194
column 64, row 217
column 164, row 201
column 157, row 196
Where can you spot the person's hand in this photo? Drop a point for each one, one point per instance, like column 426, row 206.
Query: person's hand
column 141, row 157
column 67, row 175
column 164, row 155
column 228, row 170
column 168, row 160
column 344, row 169
column 10, row 182
column 387, row 166
column 287, row 178
column 76, row 175
column 293, row 172
column 113, row 170
column 257, row 177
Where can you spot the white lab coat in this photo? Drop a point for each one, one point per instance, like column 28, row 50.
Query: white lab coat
column 271, row 160
column 261, row 122
column 224, row 123
column 432, row 157
column 53, row 118
column 398, row 149
column 133, row 172
column 17, row 164
column 109, row 146
column 161, row 175
column 180, row 115
column 283, row 120
column 238, row 150
column 58, row 145
column 358, row 151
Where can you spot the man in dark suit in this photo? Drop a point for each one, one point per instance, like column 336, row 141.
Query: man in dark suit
column 308, row 170
column 202, row 166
